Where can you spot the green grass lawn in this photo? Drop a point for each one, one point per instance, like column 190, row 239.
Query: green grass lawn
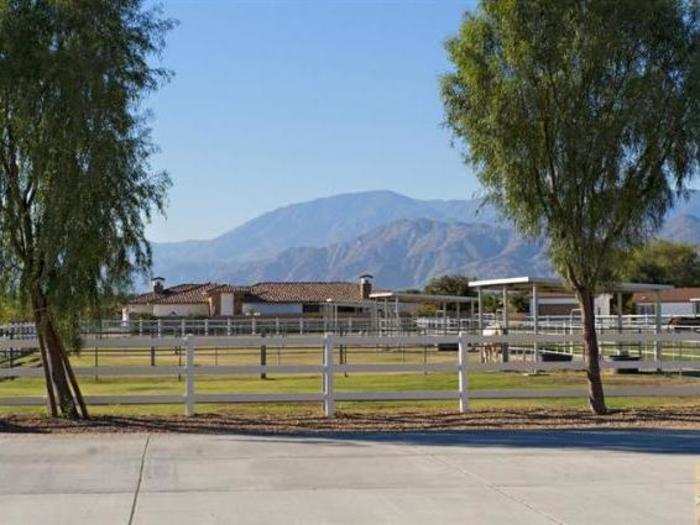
column 278, row 383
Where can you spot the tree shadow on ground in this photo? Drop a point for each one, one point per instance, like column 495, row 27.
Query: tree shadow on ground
column 640, row 430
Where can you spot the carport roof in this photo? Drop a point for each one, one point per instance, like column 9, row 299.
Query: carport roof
column 408, row 297
column 554, row 284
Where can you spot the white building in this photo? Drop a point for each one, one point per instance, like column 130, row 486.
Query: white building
column 556, row 304
column 263, row 299
column 677, row 301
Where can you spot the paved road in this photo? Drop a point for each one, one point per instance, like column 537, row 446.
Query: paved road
column 461, row 477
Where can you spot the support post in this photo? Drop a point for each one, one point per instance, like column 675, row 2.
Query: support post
column 444, row 318
column 619, row 319
column 504, row 329
column 189, row 375
column 463, row 374
column 619, row 312
column 398, row 316
column 657, row 343
column 535, row 321
column 328, row 401
column 471, row 314
column 481, row 309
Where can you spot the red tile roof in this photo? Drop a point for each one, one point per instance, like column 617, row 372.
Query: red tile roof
column 229, row 288
column 266, row 292
column 674, row 295
column 180, row 294
column 304, row 292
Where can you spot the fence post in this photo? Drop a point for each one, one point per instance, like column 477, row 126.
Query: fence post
column 462, row 371
column 263, row 357
column 189, row 375
column 328, row 401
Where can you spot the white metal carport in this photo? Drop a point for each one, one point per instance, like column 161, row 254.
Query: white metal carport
column 444, row 299
column 538, row 284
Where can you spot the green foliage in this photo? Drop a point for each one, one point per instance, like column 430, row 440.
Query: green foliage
column 76, row 188
column 449, row 285
column 663, row 262
column 446, row 285
column 580, row 119
column 519, row 302
column 491, row 303
column 11, row 309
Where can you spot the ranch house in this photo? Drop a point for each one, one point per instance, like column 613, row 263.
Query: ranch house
column 265, row 299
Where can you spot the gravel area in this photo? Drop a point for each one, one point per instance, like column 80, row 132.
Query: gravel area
column 503, row 419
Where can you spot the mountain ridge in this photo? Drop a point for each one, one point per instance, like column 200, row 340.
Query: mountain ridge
column 404, row 241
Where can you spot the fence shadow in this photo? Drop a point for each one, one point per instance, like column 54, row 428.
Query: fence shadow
column 641, row 440
column 539, row 429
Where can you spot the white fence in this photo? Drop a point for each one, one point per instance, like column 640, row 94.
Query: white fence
column 250, row 325
column 328, row 368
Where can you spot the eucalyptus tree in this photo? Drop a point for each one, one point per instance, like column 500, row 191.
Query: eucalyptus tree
column 580, row 119
column 76, row 187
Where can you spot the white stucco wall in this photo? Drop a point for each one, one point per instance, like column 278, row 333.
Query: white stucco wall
column 226, row 304
column 601, row 303
column 181, row 310
column 677, row 308
column 272, row 308
column 128, row 310
column 669, row 308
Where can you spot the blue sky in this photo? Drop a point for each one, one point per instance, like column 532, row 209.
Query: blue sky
column 278, row 102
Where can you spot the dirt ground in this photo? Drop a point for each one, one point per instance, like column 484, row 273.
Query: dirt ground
column 502, row 419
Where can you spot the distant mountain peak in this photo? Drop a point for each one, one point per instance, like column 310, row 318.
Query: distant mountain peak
column 401, row 240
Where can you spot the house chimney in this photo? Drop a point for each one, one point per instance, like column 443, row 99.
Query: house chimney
column 157, row 284
column 365, row 286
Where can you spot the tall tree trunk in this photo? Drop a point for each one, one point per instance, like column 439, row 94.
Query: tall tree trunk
column 50, row 396
column 596, row 397
column 60, row 372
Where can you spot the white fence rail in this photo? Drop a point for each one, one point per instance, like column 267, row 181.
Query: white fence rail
column 190, row 370
column 275, row 326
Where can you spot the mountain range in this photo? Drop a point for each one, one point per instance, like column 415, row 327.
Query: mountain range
column 402, row 241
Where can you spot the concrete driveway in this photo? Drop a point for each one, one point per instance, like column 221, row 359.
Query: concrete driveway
column 462, row 477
